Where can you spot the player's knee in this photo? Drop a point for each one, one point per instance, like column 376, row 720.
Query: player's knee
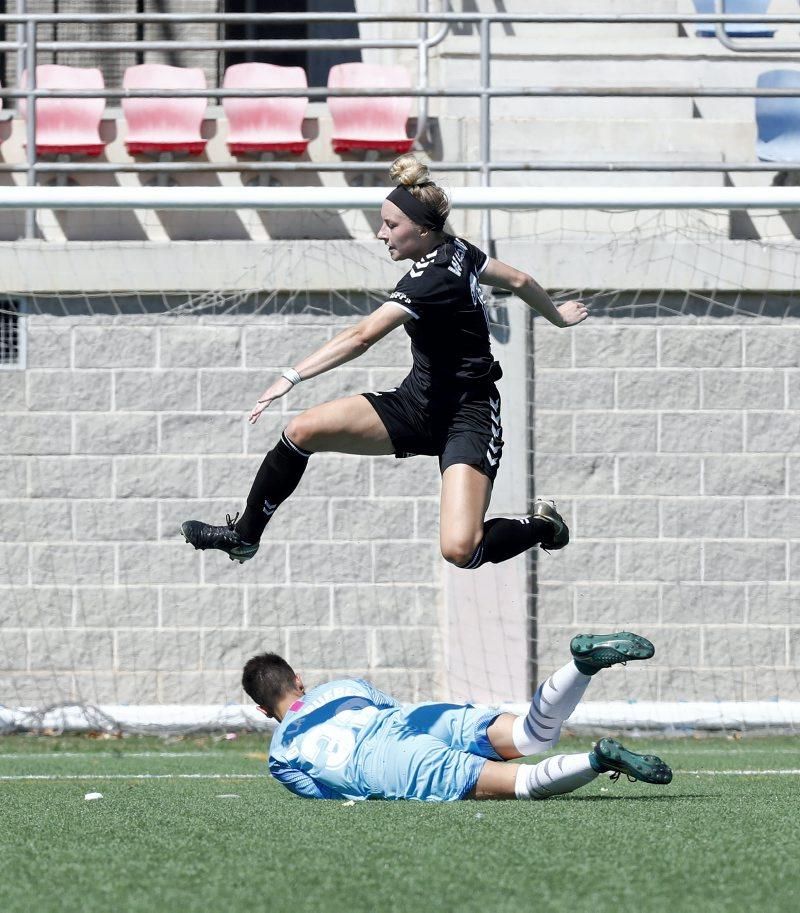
column 301, row 430
column 459, row 550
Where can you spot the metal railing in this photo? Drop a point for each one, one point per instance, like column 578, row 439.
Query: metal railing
column 28, row 46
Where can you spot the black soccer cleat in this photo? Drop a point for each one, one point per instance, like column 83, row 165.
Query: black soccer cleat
column 556, row 531
column 225, row 538
column 609, row 755
column 603, row 650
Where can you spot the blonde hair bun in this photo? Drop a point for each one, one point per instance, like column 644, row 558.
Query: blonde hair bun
column 409, row 171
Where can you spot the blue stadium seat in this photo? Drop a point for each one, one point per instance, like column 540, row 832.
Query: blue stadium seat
column 778, row 119
column 735, row 30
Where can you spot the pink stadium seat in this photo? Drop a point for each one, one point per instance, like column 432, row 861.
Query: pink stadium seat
column 164, row 124
column 265, row 124
column 364, row 122
column 67, row 126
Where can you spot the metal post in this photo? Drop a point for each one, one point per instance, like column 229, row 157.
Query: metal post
column 485, row 122
column 22, row 9
column 422, row 73
column 30, row 66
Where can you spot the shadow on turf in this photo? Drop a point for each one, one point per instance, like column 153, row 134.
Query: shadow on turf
column 669, row 798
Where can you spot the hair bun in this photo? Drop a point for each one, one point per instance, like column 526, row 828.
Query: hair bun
column 410, row 172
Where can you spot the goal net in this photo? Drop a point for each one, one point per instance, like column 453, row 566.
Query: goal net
column 665, row 428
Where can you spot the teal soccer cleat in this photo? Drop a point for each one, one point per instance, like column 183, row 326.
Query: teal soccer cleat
column 599, row 651
column 609, row 755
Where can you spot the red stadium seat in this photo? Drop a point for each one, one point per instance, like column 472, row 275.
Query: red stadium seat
column 369, row 123
column 164, row 124
column 67, row 126
column 265, row 124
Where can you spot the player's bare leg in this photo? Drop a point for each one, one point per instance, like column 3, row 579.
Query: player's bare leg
column 348, row 425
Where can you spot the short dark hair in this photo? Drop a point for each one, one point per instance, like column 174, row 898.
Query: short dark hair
column 266, row 678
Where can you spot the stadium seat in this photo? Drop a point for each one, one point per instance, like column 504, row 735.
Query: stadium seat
column 735, row 29
column 67, row 126
column 157, row 125
column 778, row 119
column 376, row 124
column 265, row 124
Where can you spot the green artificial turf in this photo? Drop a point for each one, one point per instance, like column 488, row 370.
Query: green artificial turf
column 707, row 842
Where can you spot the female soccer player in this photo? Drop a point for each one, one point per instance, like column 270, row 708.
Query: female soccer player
column 447, row 407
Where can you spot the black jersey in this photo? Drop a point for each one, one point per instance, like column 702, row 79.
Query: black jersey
column 450, row 331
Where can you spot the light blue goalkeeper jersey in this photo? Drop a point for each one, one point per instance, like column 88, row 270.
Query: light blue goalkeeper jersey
column 348, row 740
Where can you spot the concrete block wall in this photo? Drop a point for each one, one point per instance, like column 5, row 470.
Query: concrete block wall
column 120, row 429
column 671, row 445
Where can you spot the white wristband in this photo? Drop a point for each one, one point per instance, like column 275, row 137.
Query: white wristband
column 292, row 376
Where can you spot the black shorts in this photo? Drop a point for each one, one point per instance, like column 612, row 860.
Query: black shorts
column 462, row 428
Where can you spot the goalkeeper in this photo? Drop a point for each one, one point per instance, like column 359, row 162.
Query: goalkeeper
column 348, row 740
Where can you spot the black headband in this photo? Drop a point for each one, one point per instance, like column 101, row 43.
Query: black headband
column 418, row 212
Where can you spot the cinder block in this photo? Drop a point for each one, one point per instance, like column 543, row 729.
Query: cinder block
column 653, row 474
column 151, row 564
column 375, row 606
column 36, row 689
column 618, row 606
column 553, row 432
column 406, row 562
column 741, row 389
column 771, row 432
column 744, row 475
column 114, row 347
column 228, row 476
column 200, row 346
column 216, row 432
column 69, row 391
column 158, row 650
column 268, row 567
column 615, row 432
column 123, row 434
column 408, row 648
column 322, row 648
column 641, row 684
column 773, row 518
column 35, row 521
column 701, row 432
column 612, row 518
column 361, row 519
column 116, row 607
column 70, row 477
column 745, row 560
column 119, row 520
column 772, row 347
column 380, row 379
column 36, row 607
column 707, row 603
column 12, row 391
column 330, row 562
column 260, row 438
column 427, row 518
column 280, row 347
column 302, row 519
column 552, row 347
column 793, row 391
column 202, row 606
column 659, row 560
column 13, row 477
column 231, row 649
column 769, row 684
column 58, row 650
column 702, row 518
column 429, row 598
column 574, row 389
column 13, row 654
column 187, row 687
column 346, row 476
column 327, row 387
column 35, row 435
column 700, row 347
column 692, row 684
column 615, row 347
column 14, row 565
column 66, row 565
column 117, row 688
column 48, row 345
column 760, row 646
column 772, row 603
column 412, row 477
column 558, row 475
column 393, row 351
column 794, row 561
column 155, row 391
column 583, row 560
column 675, row 645
column 232, row 390
column 658, row 389
column 295, row 605
column 156, row 477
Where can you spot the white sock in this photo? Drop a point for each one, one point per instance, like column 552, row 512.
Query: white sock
column 554, row 702
column 562, row 773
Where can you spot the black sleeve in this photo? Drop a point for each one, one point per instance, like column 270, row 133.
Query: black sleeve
column 479, row 258
column 426, row 284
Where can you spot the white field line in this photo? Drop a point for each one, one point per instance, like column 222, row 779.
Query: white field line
column 55, row 755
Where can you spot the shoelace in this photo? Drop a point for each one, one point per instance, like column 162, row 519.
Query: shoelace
column 618, row 773
column 231, row 523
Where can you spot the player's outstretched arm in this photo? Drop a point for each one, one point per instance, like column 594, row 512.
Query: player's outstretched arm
column 344, row 347
column 501, row 275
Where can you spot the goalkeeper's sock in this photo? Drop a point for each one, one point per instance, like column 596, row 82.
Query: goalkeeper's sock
column 276, row 479
column 554, row 701
column 554, row 776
